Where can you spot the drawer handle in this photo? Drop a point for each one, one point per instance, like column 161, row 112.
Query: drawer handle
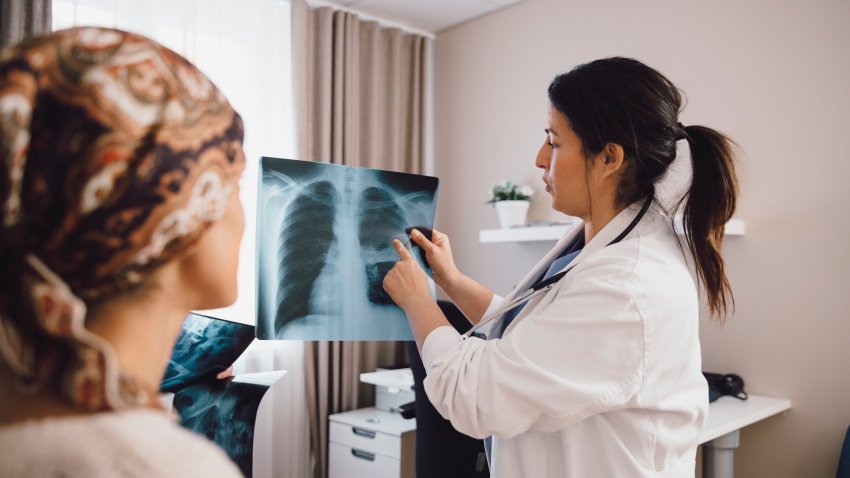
column 363, row 455
column 363, row 432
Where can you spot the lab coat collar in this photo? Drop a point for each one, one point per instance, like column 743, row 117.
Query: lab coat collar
column 541, row 267
column 614, row 227
column 608, row 233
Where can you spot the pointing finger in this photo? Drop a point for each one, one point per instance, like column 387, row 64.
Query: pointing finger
column 402, row 251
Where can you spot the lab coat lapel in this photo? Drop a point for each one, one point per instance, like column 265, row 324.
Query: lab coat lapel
column 541, row 267
column 602, row 239
column 611, row 230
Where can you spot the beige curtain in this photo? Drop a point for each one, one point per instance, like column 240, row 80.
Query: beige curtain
column 22, row 19
column 358, row 101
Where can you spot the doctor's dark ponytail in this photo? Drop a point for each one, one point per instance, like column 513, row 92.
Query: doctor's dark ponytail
column 708, row 206
column 623, row 101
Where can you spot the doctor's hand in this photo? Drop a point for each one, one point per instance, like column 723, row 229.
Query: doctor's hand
column 438, row 252
column 406, row 282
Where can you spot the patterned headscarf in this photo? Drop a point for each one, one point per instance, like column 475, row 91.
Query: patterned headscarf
column 116, row 154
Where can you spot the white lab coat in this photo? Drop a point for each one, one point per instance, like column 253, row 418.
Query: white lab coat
column 599, row 377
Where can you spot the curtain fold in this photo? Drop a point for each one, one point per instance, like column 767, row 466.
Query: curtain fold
column 359, row 97
column 22, row 19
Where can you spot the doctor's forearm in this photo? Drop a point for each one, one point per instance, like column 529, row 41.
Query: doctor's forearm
column 469, row 296
column 424, row 316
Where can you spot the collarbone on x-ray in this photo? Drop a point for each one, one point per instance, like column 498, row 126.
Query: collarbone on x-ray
column 325, row 244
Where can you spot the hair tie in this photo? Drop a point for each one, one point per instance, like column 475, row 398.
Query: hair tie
column 682, row 134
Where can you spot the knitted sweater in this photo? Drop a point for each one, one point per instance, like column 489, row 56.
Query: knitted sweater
column 134, row 443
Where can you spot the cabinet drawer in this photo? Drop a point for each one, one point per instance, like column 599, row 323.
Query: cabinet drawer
column 350, row 462
column 366, row 439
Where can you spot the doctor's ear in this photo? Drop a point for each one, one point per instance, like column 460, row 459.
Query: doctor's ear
column 612, row 160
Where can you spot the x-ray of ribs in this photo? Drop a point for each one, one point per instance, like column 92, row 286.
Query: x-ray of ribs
column 305, row 240
column 380, row 218
column 335, row 245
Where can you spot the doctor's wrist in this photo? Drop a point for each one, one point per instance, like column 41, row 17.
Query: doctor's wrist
column 452, row 283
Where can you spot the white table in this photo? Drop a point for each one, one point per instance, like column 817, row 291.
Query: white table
column 721, row 434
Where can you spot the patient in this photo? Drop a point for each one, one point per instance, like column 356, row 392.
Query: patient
column 119, row 213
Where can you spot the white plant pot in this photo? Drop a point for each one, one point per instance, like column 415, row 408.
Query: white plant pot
column 512, row 213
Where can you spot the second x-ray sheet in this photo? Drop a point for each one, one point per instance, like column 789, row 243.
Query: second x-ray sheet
column 324, row 245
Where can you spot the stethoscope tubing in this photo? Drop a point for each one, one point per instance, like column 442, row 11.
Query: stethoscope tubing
column 513, row 304
column 544, row 286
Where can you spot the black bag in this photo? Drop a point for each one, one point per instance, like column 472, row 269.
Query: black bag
column 728, row 384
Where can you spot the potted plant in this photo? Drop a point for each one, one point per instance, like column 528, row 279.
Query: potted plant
column 511, row 202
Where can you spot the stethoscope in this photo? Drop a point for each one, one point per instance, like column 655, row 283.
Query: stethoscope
column 544, row 286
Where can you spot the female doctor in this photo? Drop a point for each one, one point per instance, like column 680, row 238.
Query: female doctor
column 598, row 373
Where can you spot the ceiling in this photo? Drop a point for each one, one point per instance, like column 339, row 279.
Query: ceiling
column 430, row 16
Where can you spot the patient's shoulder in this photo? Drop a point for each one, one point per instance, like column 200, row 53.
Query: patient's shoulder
column 139, row 442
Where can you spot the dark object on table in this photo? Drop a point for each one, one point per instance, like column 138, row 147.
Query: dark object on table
column 728, row 384
column 408, row 410
column 442, row 451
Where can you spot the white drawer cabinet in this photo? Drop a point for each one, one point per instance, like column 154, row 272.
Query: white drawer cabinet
column 371, row 443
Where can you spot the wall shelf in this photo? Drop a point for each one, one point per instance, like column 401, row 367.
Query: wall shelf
column 524, row 234
column 735, row 227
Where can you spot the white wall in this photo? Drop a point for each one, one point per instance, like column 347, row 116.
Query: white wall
column 775, row 75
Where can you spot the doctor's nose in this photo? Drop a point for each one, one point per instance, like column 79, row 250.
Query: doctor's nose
column 542, row 159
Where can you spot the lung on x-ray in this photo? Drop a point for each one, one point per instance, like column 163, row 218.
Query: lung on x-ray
column 324, row 245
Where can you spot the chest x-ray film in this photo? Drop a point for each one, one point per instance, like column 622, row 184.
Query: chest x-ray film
column 324, row 245
column 205, row 347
